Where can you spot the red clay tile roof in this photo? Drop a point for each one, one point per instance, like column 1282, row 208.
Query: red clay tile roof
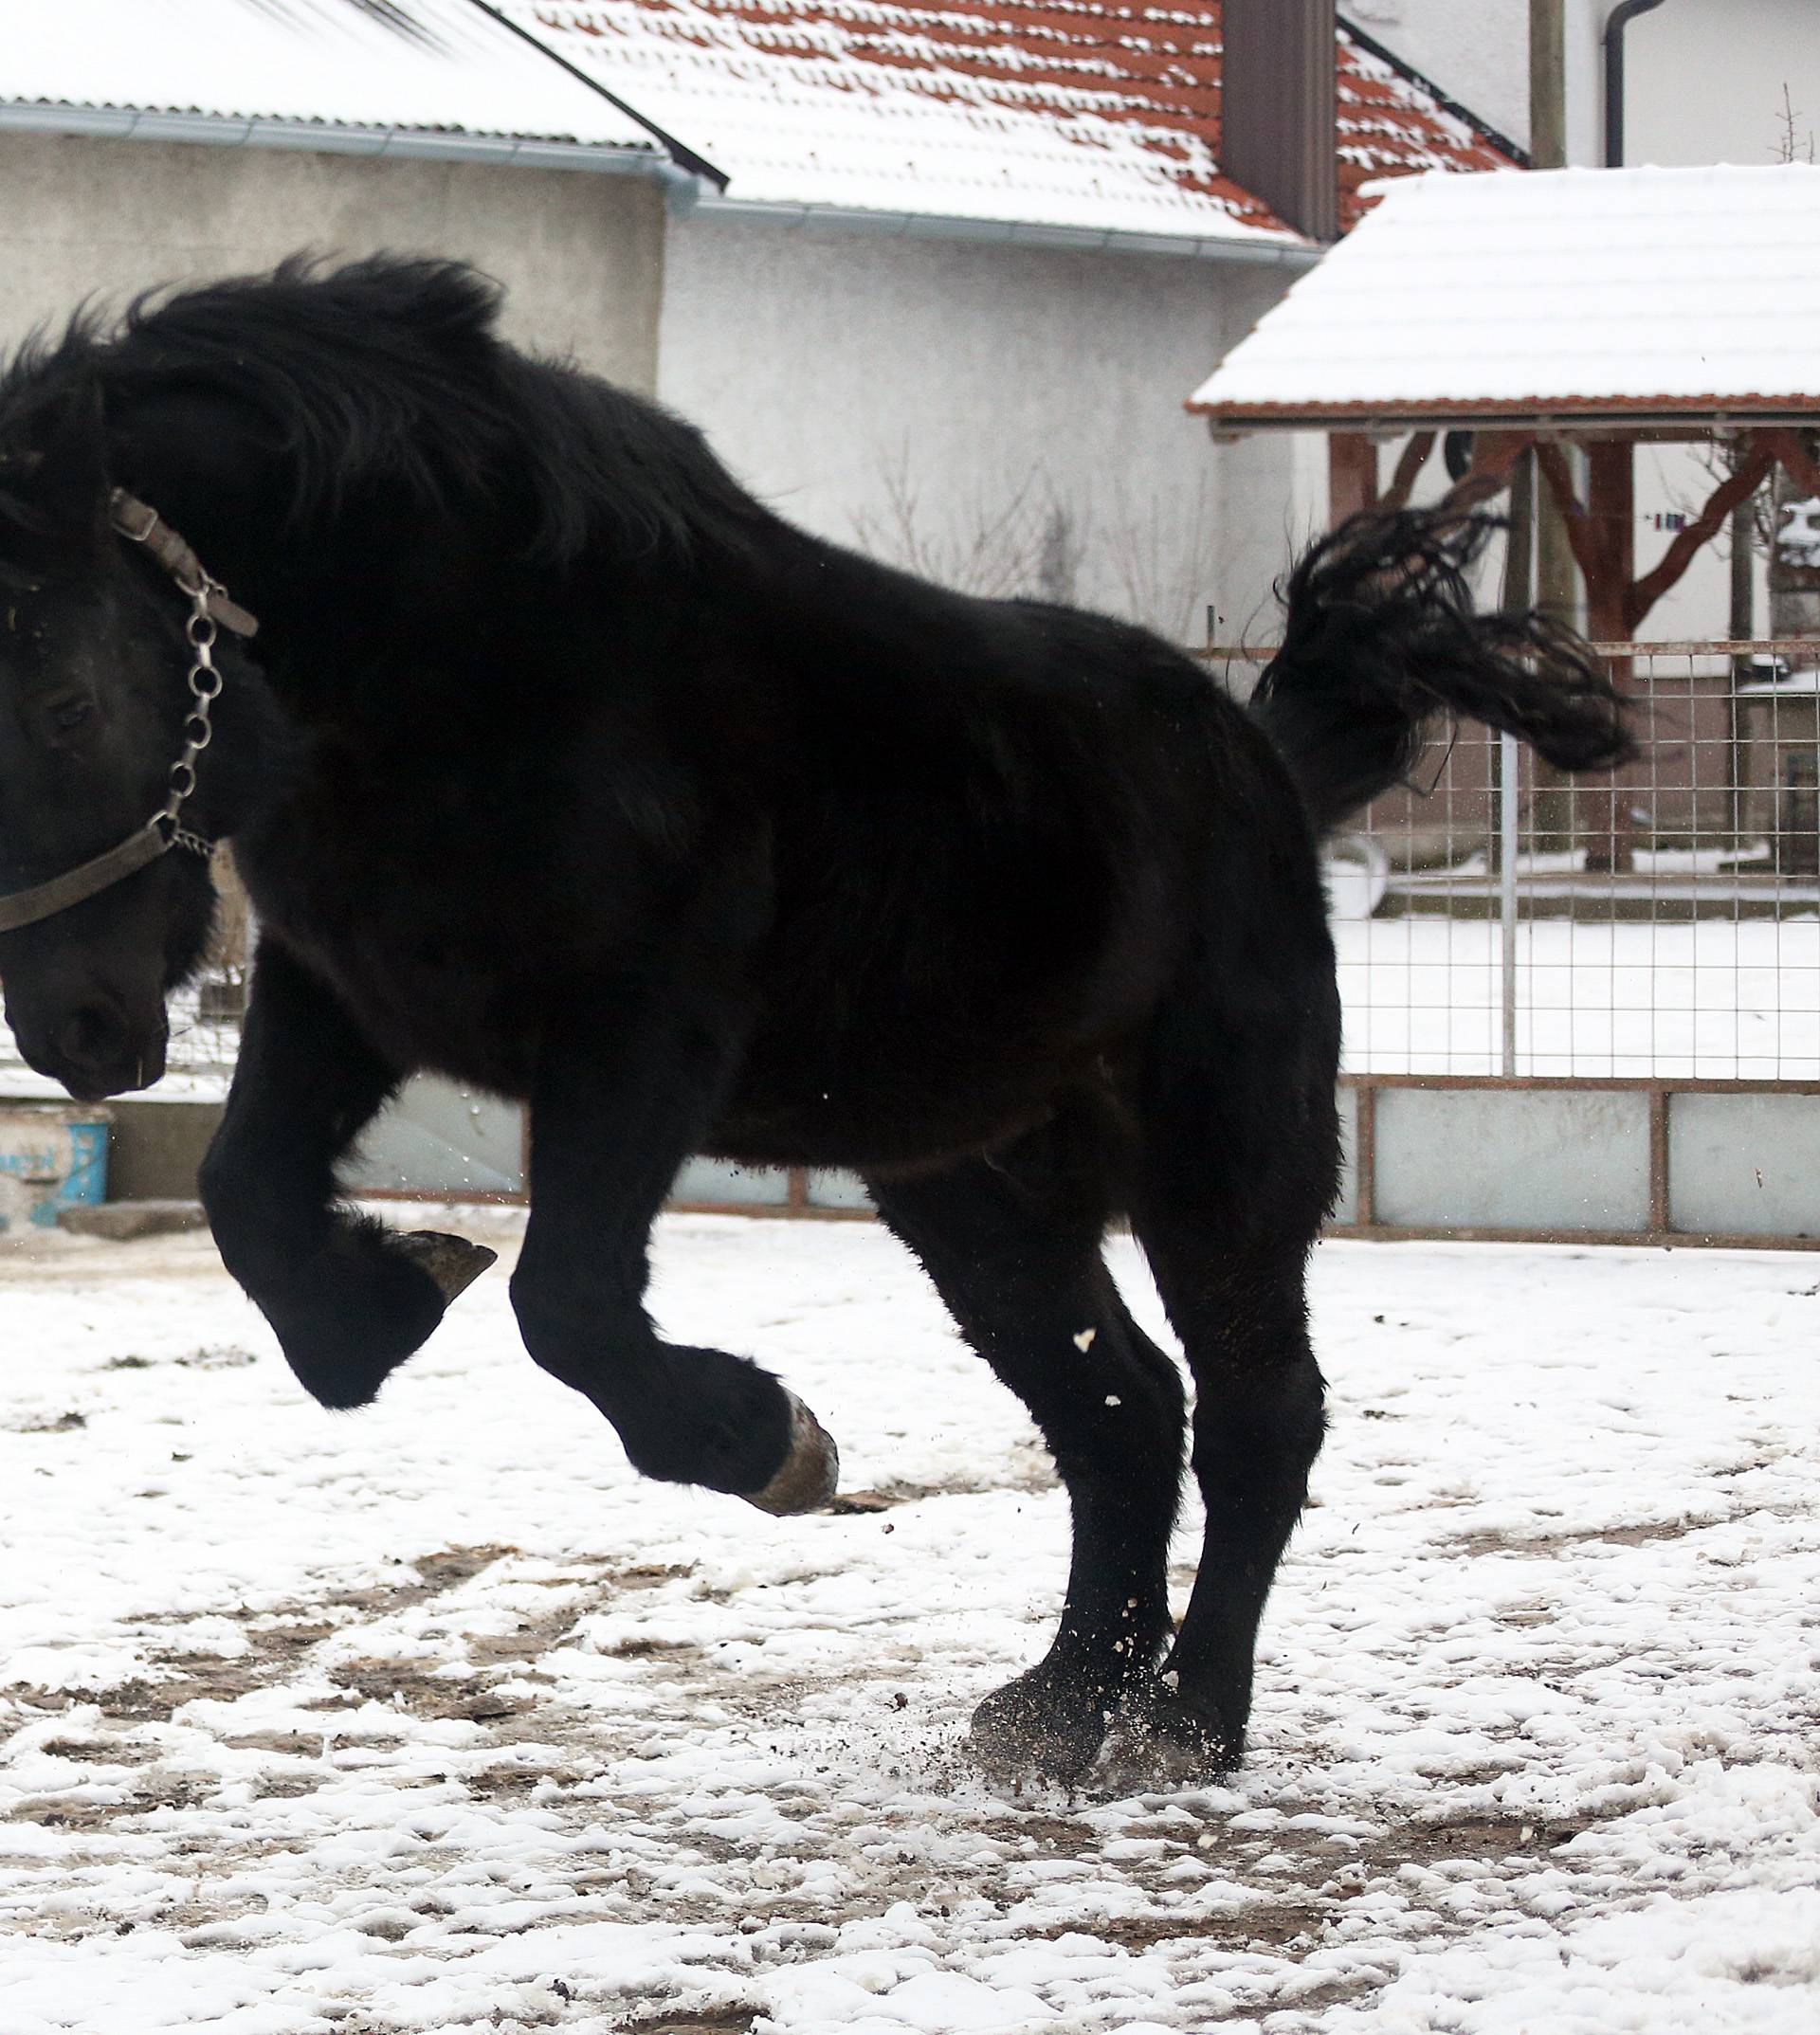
column 1392, row 125
column 1133, row 88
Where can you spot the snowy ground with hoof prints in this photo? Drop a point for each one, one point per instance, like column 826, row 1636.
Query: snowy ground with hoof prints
column 433, row 1718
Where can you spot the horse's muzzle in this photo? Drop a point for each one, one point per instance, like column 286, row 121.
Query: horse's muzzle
column 100, row 1049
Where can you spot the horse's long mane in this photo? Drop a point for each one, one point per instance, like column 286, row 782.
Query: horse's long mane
column 391, row 368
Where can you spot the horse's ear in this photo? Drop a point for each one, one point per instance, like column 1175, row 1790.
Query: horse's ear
column 69, row 485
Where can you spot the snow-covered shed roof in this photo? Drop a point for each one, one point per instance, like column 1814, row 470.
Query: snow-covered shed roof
column 1061, row 113
column 335, row 74
column 1641, row 296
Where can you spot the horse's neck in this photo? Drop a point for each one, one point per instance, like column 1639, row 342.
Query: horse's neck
column 230, row 495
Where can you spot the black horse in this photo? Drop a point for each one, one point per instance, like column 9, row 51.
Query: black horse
column 561, row 766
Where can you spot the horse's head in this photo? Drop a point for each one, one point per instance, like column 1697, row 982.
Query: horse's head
column 93, row 708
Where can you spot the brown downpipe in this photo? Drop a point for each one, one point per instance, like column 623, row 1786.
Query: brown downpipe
column 1616, row 22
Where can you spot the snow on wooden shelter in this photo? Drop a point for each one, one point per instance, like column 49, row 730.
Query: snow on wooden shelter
column 1547, row 308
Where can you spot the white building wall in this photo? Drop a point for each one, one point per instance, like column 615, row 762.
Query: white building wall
column 1006, row 419
column 580, row 252
column 1478, row 54
column 1703, row 78
column 1705, row 82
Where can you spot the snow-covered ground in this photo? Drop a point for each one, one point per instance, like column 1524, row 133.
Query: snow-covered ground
column 432, row 1718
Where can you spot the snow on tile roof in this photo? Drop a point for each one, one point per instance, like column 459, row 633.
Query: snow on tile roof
column 1053, row 112
column 317, row 62
column 1390, row 125
column 1562, row 291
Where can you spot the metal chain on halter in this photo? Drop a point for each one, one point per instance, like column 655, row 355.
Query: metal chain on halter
column 198, row 730
column 209, row 610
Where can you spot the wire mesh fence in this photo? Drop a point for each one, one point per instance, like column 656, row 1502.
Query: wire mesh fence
column 1660, row 921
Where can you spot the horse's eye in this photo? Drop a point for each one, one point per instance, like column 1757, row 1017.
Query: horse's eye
column 69, row 713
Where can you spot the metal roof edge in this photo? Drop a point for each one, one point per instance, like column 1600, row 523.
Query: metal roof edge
column 128, row 123
column 1028, row 233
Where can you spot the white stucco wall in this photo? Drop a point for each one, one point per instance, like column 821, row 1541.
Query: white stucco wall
column 580, row 252
column 1476, row 53
column 1704, row 80
column 1007, row 418
column 1703, row 84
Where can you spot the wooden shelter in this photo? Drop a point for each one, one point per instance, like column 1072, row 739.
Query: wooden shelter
column 1601, row 308
column 1595, row 309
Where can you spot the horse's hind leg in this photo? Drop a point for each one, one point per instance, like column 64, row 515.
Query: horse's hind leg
column 1013, row 1246
column 1258, row 1426
column 1240, row 1153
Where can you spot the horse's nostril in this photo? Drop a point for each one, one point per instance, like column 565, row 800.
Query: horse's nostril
column 92, row 1038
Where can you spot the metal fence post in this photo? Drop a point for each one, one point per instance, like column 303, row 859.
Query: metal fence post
column 1508, row 764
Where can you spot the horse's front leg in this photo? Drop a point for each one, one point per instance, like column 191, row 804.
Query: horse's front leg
column 626, row 1086
column 348, row 1299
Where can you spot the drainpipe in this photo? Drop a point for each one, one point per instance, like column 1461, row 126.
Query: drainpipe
column 1616, row 22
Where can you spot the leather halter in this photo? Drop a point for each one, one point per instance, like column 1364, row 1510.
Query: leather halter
column 210, row 609
column 140, row 523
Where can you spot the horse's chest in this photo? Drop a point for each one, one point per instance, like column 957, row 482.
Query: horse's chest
column 425, row 978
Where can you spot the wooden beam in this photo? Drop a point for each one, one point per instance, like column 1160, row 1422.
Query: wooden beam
column 1737, row 486
column 1494, row 461
column 1556, row 471
column 1352, row 475
column 1409, row 469
column 1795, row 457
column 1612, row 522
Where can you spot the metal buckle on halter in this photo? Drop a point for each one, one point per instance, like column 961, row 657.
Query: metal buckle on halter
column 120, row 506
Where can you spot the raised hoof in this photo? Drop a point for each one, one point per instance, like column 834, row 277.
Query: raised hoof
column 453, row 1262
column 1039, row 1727
column 812, row 1469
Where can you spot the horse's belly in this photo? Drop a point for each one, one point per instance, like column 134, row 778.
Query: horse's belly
column 892, row 1096
column 430, row 1014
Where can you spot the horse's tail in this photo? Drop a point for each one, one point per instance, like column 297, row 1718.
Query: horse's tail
column 1380, row 634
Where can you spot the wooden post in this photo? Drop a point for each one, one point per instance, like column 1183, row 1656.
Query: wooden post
column 1519, row 566
column 1612, row 503
column 1547, row 84
column 1743, row 627
column 1556, row 590
column 1352, row 475
column 1612, row 509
